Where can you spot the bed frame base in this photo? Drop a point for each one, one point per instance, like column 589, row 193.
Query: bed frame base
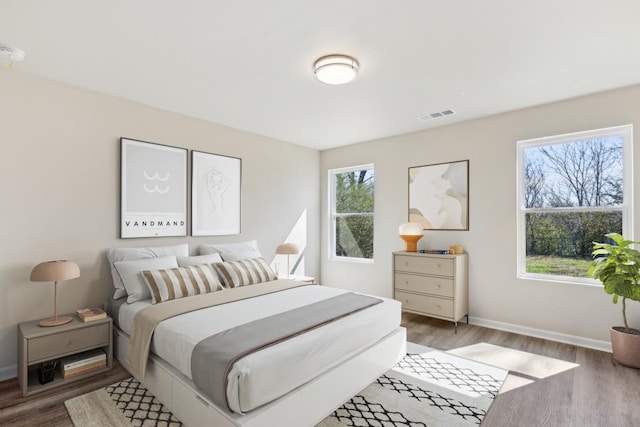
column 307, row 405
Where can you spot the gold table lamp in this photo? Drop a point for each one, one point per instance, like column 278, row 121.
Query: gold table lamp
column 55, row 271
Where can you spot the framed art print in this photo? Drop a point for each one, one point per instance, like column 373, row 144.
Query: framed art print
column 153, row 190
column 215, row 194
column 439, row 196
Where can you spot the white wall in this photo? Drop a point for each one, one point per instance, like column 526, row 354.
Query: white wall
column 59, row 182
column 497, row 297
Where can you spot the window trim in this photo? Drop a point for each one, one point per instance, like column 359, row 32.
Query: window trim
column 332, row 215
column 626, row 132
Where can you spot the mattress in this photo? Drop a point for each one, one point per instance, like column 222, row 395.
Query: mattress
column 274, row 371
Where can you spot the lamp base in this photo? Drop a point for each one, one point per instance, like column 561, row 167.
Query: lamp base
column 412, row 241
column 61, row 320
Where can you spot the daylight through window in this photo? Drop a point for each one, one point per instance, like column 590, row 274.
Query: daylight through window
column 351, row 212
column 572, row 190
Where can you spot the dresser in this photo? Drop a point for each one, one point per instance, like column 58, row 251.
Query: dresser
column 432, row 285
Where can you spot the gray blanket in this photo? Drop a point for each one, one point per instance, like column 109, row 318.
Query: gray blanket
column 213, row 357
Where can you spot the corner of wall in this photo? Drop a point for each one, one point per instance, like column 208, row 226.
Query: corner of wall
column 8, row 372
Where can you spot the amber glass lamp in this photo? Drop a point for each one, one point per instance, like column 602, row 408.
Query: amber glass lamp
column 411, row 232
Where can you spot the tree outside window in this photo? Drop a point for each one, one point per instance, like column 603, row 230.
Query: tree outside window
column 573, row 189
column 352, row 203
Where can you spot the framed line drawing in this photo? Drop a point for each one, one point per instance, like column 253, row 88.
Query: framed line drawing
column 439, row 195
column 153, row 189
column 216, row 198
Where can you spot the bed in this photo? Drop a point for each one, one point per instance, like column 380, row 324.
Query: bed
column 297, row 381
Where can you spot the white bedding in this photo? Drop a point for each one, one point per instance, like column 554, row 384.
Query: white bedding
column 278, row 369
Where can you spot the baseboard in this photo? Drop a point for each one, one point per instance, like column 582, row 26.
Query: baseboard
column 8, row 372
column 541, row 333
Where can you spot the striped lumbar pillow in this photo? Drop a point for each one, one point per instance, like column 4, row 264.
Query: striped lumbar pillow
column 181, row 282
column 244, row 272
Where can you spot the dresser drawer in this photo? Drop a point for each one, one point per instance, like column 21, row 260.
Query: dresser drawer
column 425, row 304
column 424, row 284
column 54, row 345
column 425, row 265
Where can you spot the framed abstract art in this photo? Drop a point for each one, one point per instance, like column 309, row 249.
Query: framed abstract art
column 439, row 195
column 215, row 194
column 153, row 189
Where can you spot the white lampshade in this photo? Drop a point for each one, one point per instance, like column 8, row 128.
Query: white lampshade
column 411, row 229
column 336, row 69
column 287, row 249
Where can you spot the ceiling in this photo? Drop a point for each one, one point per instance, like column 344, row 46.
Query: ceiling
column 248, row 64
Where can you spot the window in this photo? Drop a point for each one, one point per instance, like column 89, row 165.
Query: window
column 572, row 190
column 351, row 196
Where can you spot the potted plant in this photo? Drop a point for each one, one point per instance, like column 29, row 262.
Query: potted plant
column 617, row 266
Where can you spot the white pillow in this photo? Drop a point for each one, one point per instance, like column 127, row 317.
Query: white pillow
column 239, row 256
column 130, row 274
column 250, row 246
column 188, row 261
column 129, row 254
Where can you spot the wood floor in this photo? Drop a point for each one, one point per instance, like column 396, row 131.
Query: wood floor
column 598, row 393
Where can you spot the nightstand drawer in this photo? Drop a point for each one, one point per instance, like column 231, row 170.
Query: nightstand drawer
column 425, row 265
column 56, row 344
column 424, row 284
column 425, row 304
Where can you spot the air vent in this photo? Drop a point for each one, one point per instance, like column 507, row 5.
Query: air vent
column 436, row 115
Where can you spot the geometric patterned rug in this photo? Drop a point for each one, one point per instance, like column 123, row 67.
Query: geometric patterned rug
column 139, row 405
column 123, row 404
column 428, row 389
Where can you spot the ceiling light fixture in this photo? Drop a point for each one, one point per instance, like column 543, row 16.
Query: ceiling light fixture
column 13, row 53
column 336, row 69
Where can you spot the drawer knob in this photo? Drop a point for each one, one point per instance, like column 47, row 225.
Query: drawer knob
column 438, row 265
column 438, row 285
column 406, row 282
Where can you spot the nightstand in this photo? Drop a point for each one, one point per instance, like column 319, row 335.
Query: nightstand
column 37, row 344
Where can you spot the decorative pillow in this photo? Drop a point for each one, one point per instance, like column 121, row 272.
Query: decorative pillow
column 130, row 254
column 181, row 282
column 249, row 249
column 129, row 272
column 244, row 272
column 199, row 260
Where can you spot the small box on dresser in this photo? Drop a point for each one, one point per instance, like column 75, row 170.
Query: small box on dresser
column 432, row 285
